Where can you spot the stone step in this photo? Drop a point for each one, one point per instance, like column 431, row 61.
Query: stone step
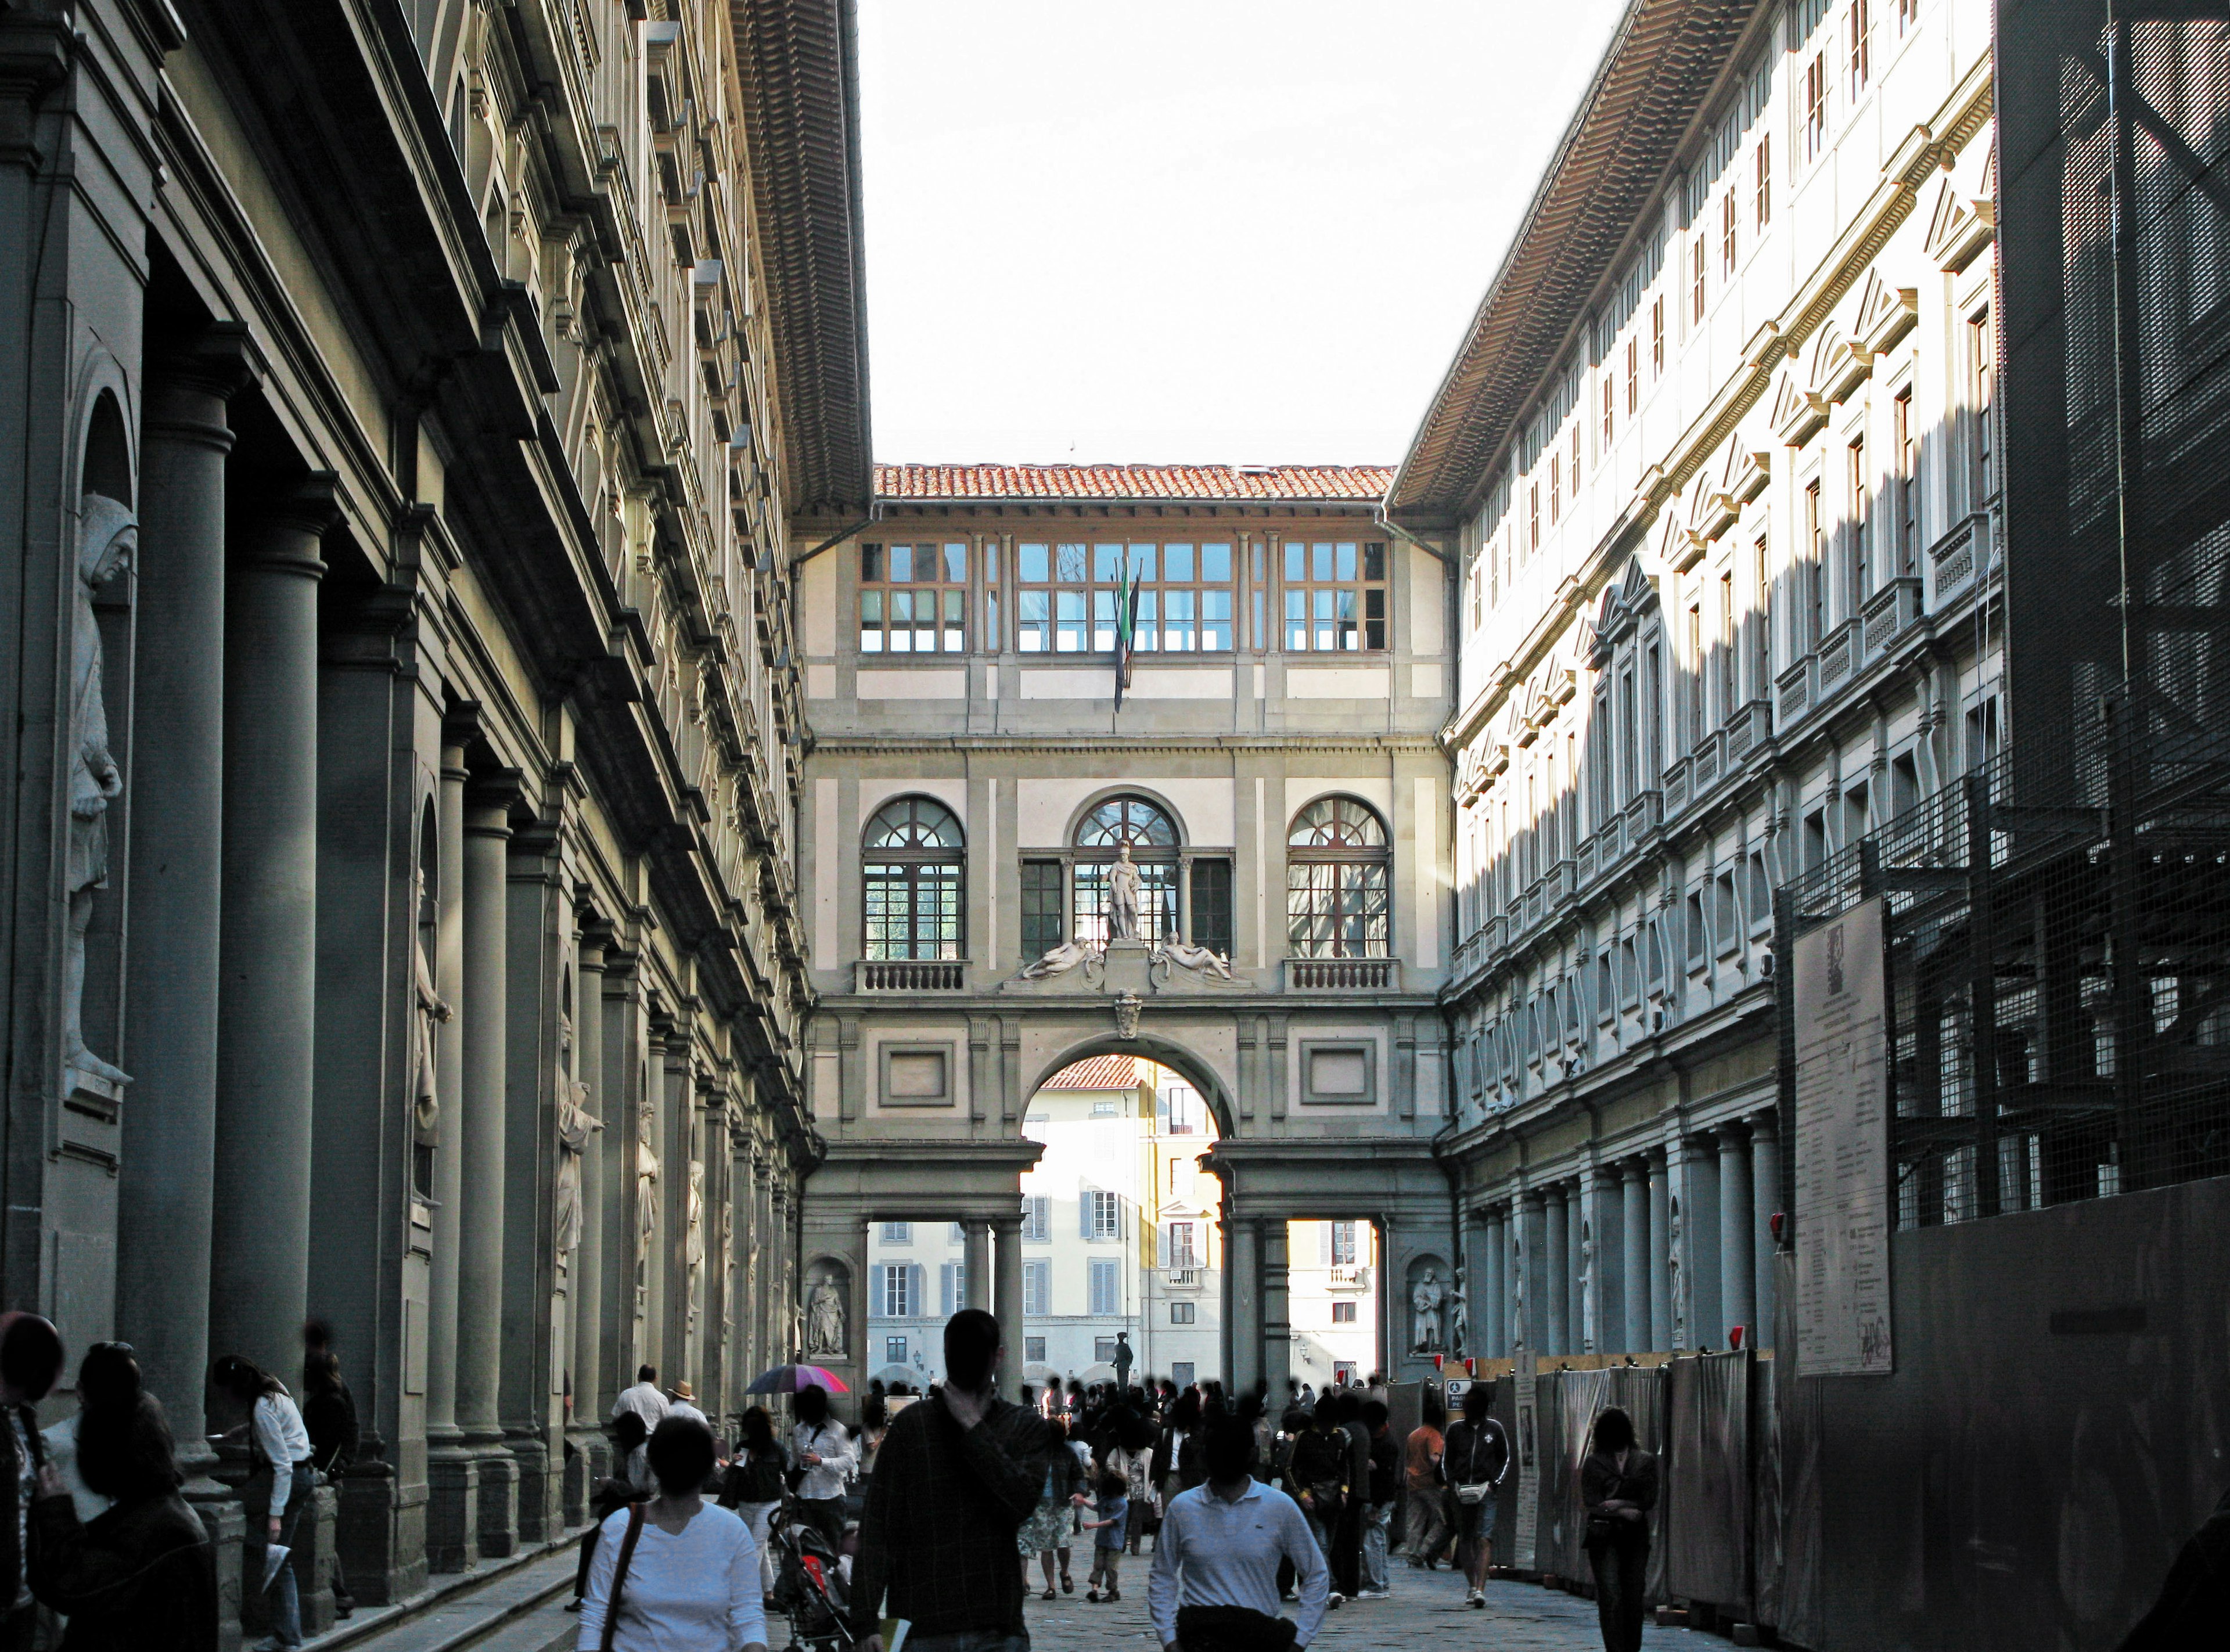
column 518, row 1609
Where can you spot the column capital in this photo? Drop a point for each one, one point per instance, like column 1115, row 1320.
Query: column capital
column 218, row 362
column 307, row 511
column 460, row 726
column 1764, row 1125
column 489, row 795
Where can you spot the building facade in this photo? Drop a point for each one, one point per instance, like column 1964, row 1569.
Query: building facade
column 1335, row 1302
column 402, row 924
column 1238, row 872
column 1717, row 457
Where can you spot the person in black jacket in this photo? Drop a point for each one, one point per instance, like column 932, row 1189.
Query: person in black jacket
column 140, row 1578
column 1618, row 1487
column 753, row 1483
column 329, row 1414
column 30, row 1361
column 1474, row 1456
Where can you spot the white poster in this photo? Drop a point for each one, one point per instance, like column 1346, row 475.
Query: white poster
column 1843, row 1207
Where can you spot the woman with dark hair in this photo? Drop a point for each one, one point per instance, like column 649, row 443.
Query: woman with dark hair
column 109, row 1382
column 1045, row 1534
column 753, row 1484
column 1618, row 1486
column 279, row 1445
column 631, row 1434
column 673, row 1575
column 140, row 1578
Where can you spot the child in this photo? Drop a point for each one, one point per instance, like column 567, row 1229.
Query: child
column 1114, row 1511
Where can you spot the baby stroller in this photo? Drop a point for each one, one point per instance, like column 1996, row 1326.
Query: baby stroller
column 808, row 1589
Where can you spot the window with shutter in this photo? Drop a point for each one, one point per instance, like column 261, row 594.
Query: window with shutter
column 1037, row 1289
column 1107, row 1280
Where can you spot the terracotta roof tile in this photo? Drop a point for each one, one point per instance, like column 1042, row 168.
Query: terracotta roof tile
column 1299, row 484
column 1097, row 1072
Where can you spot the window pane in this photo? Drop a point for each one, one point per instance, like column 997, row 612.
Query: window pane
column 1106, row 563
column 1215, row 620
column 1343, row 561
column 901, row 563
column 1177, row 561
column 1297, row 562
column 1103, row 621
column 1071, row 563
column 1068, row 629
column 1031, row 565
column 1030, row 632
column 1215, row 564
column 871, row 564
column 956, row 564
column 1323, row 560
column 1142, row 562
column 1143, row 634
column 1211, row 906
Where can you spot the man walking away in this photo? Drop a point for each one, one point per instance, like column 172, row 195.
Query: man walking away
column 1476, row 1457
column 643, row 1399
column 1428, row 1531
column 819, row 1446
column 1315, row 1472
column 1214, row 1587
column 1378, row 1508
column 957, row 1476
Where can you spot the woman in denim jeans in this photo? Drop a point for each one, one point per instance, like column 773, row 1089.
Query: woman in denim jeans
column 277, row 1437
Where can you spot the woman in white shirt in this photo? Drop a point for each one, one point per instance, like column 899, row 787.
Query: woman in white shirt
column 819, row 1446
column 278, row 1441
column 691, row 1582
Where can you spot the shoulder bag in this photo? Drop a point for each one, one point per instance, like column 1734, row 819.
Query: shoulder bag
column 1471, row 1492
column 635, row 1512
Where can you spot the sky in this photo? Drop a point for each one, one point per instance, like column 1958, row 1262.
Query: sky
column 1205, row 231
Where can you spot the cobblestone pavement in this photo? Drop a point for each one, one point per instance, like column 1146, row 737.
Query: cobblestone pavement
column 1427, row 1610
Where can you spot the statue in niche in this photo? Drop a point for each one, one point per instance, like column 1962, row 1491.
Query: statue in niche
column 432, row 1010
column 1459, row 1315
column 693, row 1242
column 1672, row 1273
column 1587, row 1284
column 1425, row 1297
column 646, row 1204
column 576, row 1124
column 824, row 1319
column 1123, row 896
column 107, row 536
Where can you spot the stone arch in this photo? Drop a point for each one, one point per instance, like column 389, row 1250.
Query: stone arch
column 106, row 467
column 1188, row 1065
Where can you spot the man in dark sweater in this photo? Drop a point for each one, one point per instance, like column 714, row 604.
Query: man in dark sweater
column 955, row 1478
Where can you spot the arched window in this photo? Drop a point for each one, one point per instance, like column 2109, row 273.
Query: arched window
column 1152, row 837
column 911, row 873
column 1335, row 863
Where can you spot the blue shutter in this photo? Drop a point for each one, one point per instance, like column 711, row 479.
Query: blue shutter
column 1084, row 1213
column 919, row 1301
column 875, row 1302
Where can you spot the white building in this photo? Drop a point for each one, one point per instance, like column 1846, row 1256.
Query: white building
column 1333, row 1270
column 1118, row 1234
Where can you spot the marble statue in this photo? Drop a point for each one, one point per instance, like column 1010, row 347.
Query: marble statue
column 1200, row 959
column 824, row 1320
column 645, row 1203
column 1062, row 959
column 432, row 1010
column 1459, row 1315
column 1425, row 1297
column 1672, row 1274
column 1123, row 896
column 576, row 1124
column 693, row 1241
column 107, row 536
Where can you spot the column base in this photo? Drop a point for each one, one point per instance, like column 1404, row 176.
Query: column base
column 498, row 1512
column 453, row 1504
column 586, row 1463
column 226, row 1522
column 541, row 1490
column 381, row 1543
column 311, row 1561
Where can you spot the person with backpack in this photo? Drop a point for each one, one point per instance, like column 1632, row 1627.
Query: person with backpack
column 672, row 1575
column 1475, row 1456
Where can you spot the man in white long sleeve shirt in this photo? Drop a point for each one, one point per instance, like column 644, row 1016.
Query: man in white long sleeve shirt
column 1215, row 1581
column 821, row 1447
column 644, row 1399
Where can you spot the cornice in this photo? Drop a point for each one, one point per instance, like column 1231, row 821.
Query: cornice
column 895, row 745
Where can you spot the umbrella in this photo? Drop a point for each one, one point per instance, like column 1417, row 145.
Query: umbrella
column 788, row 1379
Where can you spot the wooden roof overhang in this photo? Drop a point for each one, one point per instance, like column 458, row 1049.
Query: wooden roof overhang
column 1662, row 66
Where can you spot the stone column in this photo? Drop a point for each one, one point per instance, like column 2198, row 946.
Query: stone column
column 1277, row 1310
column 620, row 1090
column 670, row 1275
column 165, row 1185
column 585, row 1284
column 1555, row 1273
column 1242, row 1330
column 453, row 1541
column 1633, row 1189
column 1695, row 1177
column 1660, row 1253
column 1491, row 1312
column 1765, row 1198
column 1006, row 1303
column 1529, row 1274
column 259, row 1275
column 1737, row 1257
column 483, row 989
column 976, row 1263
